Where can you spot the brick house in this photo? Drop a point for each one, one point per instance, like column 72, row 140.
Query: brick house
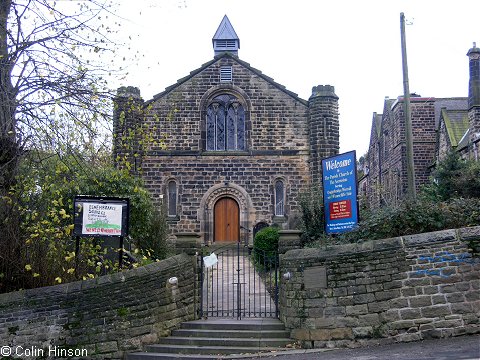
column 438, row 125
column 226, row 147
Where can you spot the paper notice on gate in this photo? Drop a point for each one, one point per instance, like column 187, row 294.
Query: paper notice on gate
column 210, row 260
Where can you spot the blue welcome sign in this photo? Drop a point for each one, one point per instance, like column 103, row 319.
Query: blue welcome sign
column 340, row 192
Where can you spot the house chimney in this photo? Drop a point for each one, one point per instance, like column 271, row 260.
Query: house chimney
column 474, row 82
column 474, row 93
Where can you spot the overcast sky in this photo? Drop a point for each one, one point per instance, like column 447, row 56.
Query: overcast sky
column 350, row 44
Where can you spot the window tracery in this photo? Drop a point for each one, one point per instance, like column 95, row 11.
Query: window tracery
column 225, row 124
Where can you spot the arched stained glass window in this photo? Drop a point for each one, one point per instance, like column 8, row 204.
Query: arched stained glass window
column 279, row 198
column 172, row 198
column 225, row 124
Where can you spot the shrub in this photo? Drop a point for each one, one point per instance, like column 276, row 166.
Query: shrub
column 452, row 200
column 423, row 215
column 455, row 178
column 265, row 246
column 407, row 218
column 42, row 203
column 313, row 218
column 267, row 239
column 154, row 239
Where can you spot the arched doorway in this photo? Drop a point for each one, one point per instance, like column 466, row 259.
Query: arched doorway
column 226, row 220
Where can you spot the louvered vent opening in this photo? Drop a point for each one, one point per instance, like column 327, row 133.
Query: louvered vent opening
column 226, row 73
column 226, row 44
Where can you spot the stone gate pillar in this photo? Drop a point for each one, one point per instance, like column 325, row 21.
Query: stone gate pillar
column 190, row 244
column 289, row 240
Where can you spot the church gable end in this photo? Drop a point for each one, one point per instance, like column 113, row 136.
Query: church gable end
column 228, row 134
column 273, row 119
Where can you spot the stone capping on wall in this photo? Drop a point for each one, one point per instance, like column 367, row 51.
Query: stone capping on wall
column 384, row 244
column 107, row 316
column 381, row 291
column 77, row 286
column 188, row 243
column 289, row 240
column 430, row 238
column 345, row 249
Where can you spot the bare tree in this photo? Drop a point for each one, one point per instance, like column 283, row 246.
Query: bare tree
column 50, row 84
column 53, row 93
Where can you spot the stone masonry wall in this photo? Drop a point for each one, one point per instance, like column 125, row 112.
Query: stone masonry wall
column 401, row 289
column 474, row 121
column 443, row 146
column 324, row 128
column 277, row 147
column 424, row 139
column 256, row 174
column 99, row 318
column 388, row 179
column 275, row 120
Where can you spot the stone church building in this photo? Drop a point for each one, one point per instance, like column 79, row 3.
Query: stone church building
column 439, row 125
column 226, row 147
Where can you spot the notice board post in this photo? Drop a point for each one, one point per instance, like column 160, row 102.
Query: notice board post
column 101, row 217
column 339, row 178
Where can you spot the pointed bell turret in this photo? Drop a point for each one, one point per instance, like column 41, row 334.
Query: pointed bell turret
column 226, row 39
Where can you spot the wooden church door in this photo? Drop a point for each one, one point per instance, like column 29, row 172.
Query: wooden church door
column 226, row 220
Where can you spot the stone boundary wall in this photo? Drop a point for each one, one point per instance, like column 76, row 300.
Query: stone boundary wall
column 99, row 318
column 400, row 289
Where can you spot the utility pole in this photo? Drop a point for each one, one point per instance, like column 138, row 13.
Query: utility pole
column 408, row 116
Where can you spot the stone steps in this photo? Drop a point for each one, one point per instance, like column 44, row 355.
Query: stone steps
column 230, row 333
column 219, row 338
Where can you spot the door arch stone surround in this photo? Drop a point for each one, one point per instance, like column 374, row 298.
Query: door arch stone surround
column 206, row 211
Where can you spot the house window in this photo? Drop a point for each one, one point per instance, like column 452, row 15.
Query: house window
column 172, row 198
column 225, row 124
column 279, row 198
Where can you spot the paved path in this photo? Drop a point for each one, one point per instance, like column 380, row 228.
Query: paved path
column 457, row 348
column 220, row 295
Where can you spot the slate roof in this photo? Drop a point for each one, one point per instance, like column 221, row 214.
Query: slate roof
column 225, row 31
column 236, row 59
column 378, row 120
column 453, row 103
column 376, row 129
column 464, row 141
column 456, row 124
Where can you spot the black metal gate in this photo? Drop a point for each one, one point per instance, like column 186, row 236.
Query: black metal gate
column 242, row 283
